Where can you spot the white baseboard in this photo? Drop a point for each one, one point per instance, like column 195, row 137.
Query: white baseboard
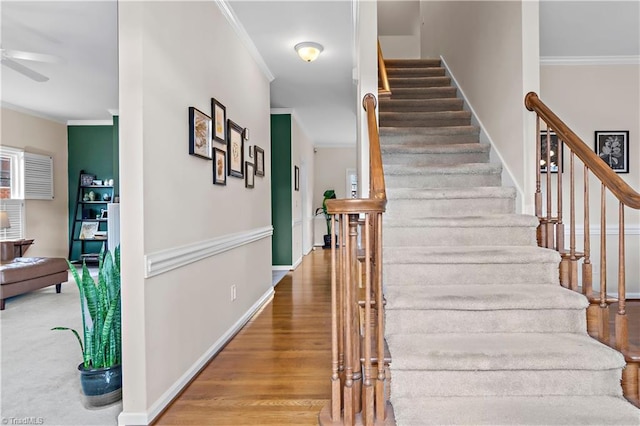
column 296, row 263
column 138, row 418
column 282, row 267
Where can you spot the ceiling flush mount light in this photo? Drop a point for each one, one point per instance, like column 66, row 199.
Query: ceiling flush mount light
column 308, row 50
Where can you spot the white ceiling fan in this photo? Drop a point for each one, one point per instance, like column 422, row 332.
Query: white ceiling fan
column 9, row 58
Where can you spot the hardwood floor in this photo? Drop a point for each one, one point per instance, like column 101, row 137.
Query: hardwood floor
column 276, row 370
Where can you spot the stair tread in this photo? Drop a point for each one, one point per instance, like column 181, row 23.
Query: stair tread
column 501, row 351
column 435, row 148
column 469, row 255
column 450, row 193
column 413, row 63
column 485, row 221
column 516, row 410
column 482, row 298
column 443, row 169
column 423, row 114
column 426, row 131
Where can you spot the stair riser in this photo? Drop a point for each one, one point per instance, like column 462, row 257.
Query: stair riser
column 416, row 208
column 450, row 236
column 504, row 383
column 453, row 180
column 412, row 63
column 505, row 321
column 471, row 137
column 420, row 159
column 417, row 82
column 421, row 105
column 424, row 93
column 415, row 72
column 456, row 273
column 424, row 122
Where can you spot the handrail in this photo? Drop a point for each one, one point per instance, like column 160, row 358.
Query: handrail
column 382, row 73
column 551, row 231
column 607, row 176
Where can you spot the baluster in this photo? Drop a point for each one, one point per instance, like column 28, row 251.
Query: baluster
column 341, row 290
column 367, row 411
column 573, row 274
column 349, row 409
column 549, row 243
column 604, row 307
column 559, row 224
column 622, row 333
column 540, row 235
column 335, row 377
column 587, row 271
column 381, row 401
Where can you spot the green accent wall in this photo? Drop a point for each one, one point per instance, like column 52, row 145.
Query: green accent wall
column 92, row 149
column 281, row 196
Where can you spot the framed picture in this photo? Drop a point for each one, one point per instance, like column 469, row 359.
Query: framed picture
column 88, row 230
column 86, row 179
column 259, row 160
column 219, row 167
column 296, row 178
column 249, row 175
column 219, row 114
column 556, row 152
column 199, row 134
column 235, row 150
column 103, row 214
column 613, row 147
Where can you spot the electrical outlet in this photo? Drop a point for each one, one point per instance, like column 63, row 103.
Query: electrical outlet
column 233, row 292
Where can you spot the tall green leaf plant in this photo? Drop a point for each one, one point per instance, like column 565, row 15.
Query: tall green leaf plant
column 101, row 300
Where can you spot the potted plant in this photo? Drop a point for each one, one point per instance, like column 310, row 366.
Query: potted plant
column 101, row 369
column 328, row 195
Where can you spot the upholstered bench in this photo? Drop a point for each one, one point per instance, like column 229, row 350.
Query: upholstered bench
column 24, row 274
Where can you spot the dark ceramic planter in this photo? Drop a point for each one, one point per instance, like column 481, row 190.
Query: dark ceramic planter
column 327, row 241
column 101, row 386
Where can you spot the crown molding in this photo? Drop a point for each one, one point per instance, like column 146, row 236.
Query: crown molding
column 590, row 60
column 237, row 26
column 90, row 123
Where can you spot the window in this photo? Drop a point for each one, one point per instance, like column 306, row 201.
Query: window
column 11, row 191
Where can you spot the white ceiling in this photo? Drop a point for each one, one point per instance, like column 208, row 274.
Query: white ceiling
column 322, row 92
column 84, row 35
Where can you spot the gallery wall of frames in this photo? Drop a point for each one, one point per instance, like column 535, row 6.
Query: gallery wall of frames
column 219, row 139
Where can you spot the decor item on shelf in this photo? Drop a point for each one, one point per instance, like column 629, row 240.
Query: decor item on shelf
column 106, row 196
column 199, row 134
column 308, row 50
column 101, row 370
column 86, row 179
column 88, row 230
column 219, row 167
column 108, row 182
column 92, row 196
column 249, row 181
column 235, row 150
column 85, row 197
column 329, row 194
column 219, row 114
column 259, row 160
column 97, row 182
column 613, row 147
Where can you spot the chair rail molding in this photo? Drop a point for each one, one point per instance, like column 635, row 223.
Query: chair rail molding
column 166, row 260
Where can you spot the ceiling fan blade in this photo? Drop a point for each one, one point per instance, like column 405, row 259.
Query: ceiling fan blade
column 28, row 72
column 30, row 56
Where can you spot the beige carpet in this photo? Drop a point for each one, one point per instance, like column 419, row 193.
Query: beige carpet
column 40, row 380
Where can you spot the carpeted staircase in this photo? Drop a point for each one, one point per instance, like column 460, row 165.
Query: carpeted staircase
column 478, row 327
